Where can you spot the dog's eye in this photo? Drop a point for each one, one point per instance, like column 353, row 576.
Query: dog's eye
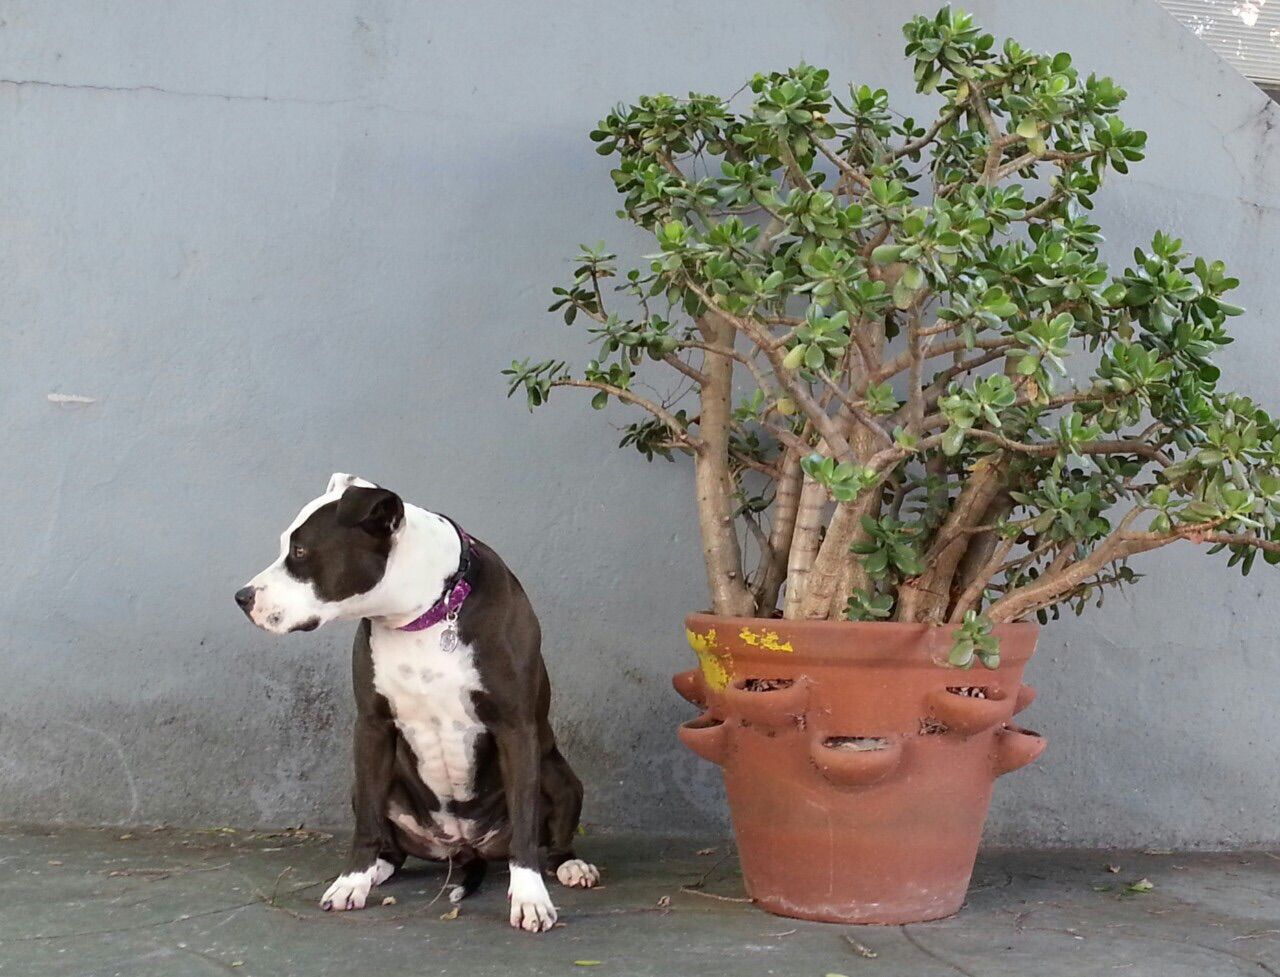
column 299, row 552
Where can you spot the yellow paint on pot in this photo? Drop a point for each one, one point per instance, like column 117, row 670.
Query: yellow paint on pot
column 716, row 669
column 764, row 638
column 701, row 642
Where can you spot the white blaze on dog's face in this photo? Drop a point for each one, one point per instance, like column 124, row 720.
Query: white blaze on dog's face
column 333, row 560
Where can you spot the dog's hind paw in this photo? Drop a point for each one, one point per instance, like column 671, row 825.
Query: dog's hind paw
column 531, row 906
column 577, row 874
column 349, row 891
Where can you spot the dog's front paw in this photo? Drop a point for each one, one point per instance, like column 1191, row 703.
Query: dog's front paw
column 350, row 890
column 577, row 874
column 531, row 906
column 347, row 892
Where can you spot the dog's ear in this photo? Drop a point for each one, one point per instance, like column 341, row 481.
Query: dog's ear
column 340, row 481
column 378, row 511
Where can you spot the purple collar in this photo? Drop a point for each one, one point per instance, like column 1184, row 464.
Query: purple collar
column 456, row 589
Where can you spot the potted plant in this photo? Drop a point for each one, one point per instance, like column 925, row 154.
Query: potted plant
column 867, row 320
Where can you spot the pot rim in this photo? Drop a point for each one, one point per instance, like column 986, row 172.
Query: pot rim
column 866, row 641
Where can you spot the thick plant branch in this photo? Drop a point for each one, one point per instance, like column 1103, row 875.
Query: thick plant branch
column 1121, row 544
column 926, row 597
column 905, row 359
column 939, row 385
column 1026, row 159
column 972, row 593
column 915, row 145
column 857, row 411
column 1047, row 590
column 819, row 418
column 681, row 366
column 1049, row 449
column 1045, row 206
column 845, row 168
column 915, row 370
column 1236, row 539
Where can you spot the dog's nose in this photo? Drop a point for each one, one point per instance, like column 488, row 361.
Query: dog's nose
column 244, row 597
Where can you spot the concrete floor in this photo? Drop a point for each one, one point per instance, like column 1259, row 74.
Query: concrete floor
column 170, row 903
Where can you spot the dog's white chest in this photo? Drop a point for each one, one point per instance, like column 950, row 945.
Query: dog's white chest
column 430, row 692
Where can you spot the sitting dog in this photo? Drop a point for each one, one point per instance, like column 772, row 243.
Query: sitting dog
column 454, row 755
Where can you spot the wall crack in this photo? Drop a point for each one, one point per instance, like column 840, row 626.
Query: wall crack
column 178, row 93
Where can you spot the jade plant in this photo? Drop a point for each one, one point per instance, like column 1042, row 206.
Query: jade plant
column 910, row 387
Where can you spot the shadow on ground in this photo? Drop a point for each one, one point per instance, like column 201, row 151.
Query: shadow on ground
column 171, row 903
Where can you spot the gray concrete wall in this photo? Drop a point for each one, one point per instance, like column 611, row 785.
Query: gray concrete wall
column 272, row 240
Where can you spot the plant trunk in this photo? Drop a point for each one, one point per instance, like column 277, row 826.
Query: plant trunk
column 924, row 599
column 833, row 567
column 836, row 571
column 720, row 549
column 786, row 505
column 982, row 545
column 804, row 543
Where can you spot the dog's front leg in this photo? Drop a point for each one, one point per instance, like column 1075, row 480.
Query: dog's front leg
column 371, row 837
column 518, row 756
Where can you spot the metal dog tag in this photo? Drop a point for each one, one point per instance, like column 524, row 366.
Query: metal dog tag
column 449, row 636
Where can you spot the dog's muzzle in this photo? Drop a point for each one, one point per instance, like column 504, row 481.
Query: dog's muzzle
column 245, row 597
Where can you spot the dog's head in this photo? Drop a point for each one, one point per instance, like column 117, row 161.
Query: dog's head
column 333, row 557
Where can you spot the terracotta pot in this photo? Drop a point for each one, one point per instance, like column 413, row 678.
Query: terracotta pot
column 858, row 764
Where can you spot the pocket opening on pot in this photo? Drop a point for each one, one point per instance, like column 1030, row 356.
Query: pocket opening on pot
column 765, row 684
column 971, row 691
column 857, row 744
column 703, row 722
column 1009, row 728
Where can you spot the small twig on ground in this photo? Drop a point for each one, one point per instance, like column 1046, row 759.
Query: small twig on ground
column 276, row 887
column 711, row 895
column 410, row 914
column 861, row 949
column 707, row 874
column 150, row 874
column 264, row 899
column 695, row 888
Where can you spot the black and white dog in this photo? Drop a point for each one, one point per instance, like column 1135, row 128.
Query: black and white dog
column 454, row 754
